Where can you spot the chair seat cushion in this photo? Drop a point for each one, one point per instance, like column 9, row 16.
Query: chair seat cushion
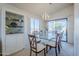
column 40, row 47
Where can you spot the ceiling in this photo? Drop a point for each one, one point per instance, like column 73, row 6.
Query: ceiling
column 40, row 8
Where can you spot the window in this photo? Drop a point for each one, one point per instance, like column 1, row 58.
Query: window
column 59, row 25
column 51, row 29
column 34, row 25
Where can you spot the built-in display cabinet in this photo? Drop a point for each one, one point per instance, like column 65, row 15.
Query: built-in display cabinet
column 12, row 32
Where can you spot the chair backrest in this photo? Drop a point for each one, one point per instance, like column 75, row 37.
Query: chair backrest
column 32, row 40
column 61, row 35
column 58, row 38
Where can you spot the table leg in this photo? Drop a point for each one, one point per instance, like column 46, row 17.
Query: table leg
column 46, row 48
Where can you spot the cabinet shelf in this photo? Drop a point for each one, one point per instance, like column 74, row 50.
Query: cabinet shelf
column 16, row 27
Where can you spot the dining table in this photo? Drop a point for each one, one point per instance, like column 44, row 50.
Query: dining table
column 45, row 41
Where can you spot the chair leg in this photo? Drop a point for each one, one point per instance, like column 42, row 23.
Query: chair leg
column 60, row 45
column 58, row 48
column 46, row 48
column 56, row 51
column 36, row 53
column 30, row 52
column 50, row 47
column 44, row 52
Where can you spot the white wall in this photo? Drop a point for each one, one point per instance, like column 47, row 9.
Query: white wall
column 67, row 12
column 76, row 30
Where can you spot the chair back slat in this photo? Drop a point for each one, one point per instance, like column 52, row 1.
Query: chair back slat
column 32, row 40
column 58, row 38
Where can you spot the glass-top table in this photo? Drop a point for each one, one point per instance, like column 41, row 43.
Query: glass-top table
column 45, row 40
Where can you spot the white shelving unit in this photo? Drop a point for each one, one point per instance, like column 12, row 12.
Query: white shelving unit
column 11, row 43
